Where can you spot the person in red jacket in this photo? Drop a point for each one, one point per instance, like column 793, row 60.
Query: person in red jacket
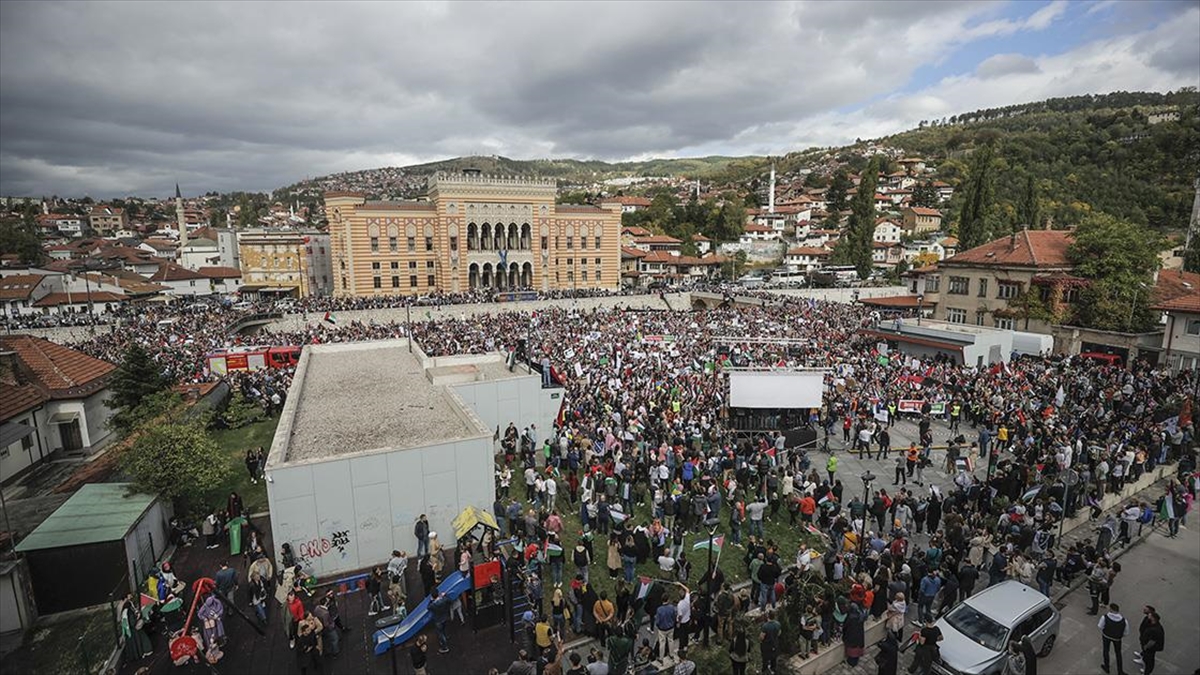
column 295, row 609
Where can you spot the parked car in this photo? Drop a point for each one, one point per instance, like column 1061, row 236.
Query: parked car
column 977, row 631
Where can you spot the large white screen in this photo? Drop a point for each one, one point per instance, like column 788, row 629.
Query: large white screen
column 775, row 389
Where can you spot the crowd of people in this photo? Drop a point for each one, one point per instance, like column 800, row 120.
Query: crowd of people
column 645, row 429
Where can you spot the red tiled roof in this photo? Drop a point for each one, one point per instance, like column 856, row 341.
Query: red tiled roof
column 657, row 239
column 759, row 228
column 660, row 257
column 173, row 272
column 628, row 201
column 55, row 371
column 922, row 211
column 1178, row 290
column 19, row 286
column 1027, row 248
column 635, row 252
column 635, row 231
column 56, row 299
column 700, row 237
column 220, row 272
column 1188, row 304
column 17, row 398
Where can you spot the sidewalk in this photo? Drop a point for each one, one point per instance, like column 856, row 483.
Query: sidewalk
column 831, row 660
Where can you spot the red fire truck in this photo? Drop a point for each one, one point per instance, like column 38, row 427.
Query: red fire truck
column 235, row 359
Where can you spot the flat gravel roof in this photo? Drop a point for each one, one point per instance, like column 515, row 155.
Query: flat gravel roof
column 356, row 397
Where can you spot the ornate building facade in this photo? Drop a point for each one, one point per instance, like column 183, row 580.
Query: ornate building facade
column 472, row 232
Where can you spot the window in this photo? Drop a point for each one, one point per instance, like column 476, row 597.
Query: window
column 932, row 284
column 1007, row 291
column 432, row 282
column 428, row 243
column 1003, row 324
column 453, row 243
column 597, row 242
column 412, row 281
column 395, row 265
column 597, row 275
column 956, row 315
column 598, row 261
column 393, row 244
column 429, row 264
column 375, row 267
column 983, row 283
column 378, row 282
column 545, row 243
column 979, row 317
column 412, row 244
column 584, row 276
column 412, row 265
column 959, row 286
column 344, row 284
column 395, row 281
column 570, row 242
column 374, row 244
column 570, row 261
column 570, row 275
column 1193, row 327
column 1071, row 295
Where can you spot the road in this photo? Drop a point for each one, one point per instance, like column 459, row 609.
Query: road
column 1161, row 572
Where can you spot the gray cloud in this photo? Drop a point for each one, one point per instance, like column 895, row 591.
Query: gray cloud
column 1005, row 64
column 123, row 98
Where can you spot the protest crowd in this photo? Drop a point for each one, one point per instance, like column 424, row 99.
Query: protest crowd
column 644, row 454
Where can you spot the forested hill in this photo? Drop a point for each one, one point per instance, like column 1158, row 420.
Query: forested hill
column 1086, row 153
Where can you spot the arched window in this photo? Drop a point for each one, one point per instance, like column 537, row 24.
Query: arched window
column 485, row 234
column 472, row 237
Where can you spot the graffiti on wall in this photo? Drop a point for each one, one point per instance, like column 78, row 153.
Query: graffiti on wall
column 320, row 547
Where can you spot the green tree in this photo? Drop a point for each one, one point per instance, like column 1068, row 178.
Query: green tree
column 856, row 244
column 835, row 196
column 179, row 461
column 240, row 412
column 975, row 216
column 1119, row 260
column 1029, row 214
column 925, row 195
column 20, row 236
column 137, row 378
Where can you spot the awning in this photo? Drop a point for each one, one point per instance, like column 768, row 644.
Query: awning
column 11, row 432
column 61, row 417
column 471, row 517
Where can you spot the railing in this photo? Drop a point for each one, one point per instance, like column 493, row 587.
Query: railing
column 254, row 320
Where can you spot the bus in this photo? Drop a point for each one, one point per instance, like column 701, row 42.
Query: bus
column 835, row 276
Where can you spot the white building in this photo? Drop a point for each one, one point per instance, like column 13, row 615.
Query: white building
column 887, row 231
column 373, row 435
column 52, row 402
column 806, row 258
column 1181, row 339
column 180, row 281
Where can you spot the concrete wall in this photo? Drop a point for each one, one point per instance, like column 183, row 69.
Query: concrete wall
column 147, row 541
column 520, row 400
column 348, row 513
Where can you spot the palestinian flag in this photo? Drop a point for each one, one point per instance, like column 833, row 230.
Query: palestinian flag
column 717, row 543
column 330, row 318
column 553, row 548
column 1167, row 510
column 813, row 529
column 644, row 586
column 617, row 515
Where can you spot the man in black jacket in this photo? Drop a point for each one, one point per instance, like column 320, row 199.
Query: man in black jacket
column 1151, row 638
column 1113, row 628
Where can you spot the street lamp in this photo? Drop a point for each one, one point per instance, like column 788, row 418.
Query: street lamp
column 1132, row 304
column 920, row 304
column 711, row 524
column 867, row 478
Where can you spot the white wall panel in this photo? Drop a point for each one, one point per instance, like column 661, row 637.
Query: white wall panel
column 369, row 470
column 775, row 389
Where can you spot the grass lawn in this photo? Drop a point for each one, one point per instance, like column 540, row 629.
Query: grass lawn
column 731, row 560
column 234, row 443
column 76, row 645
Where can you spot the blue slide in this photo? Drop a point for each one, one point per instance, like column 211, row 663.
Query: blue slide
column 452, row 586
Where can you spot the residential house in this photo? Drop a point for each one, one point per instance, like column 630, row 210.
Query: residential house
column 912, row 165
column 883, row 202
column 200, row 250
column 630, row 265
column 68, row 225
column 886, row 231
column 944, row 191
column 631, row 234
column 628, row 204
column 806, row 258
column 223, row 280
column 819, row 238
column 180, row 281
column 1160, row 116
column 777, row 221
column 294, row 263
column 978, row 284
column 82, row 302
column 884, row 254
column 19, row 292
column 919, row 247
column 53, row 400
column 658, row 242
column 754, row 232
column 107, row 219
column 949, row 246
column 702, row 243
column 1181, row 337
column 919, row 220
column 161, row 248
column 227, row 248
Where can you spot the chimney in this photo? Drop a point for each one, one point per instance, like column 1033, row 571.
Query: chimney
column 1012, row 242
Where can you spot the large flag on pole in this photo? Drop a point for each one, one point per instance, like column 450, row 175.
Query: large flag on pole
column 717, row 543
column 1167, row 511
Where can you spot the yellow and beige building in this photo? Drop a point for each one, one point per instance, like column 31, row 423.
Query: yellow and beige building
column 285, row 263
column 472, row 232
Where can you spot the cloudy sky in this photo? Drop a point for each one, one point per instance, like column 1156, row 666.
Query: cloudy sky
column 130, row 98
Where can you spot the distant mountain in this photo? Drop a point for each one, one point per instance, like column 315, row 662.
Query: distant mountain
column 1132, row 154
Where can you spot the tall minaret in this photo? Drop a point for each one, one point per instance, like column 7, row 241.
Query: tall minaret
column 180, row 218
column 771, row 196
